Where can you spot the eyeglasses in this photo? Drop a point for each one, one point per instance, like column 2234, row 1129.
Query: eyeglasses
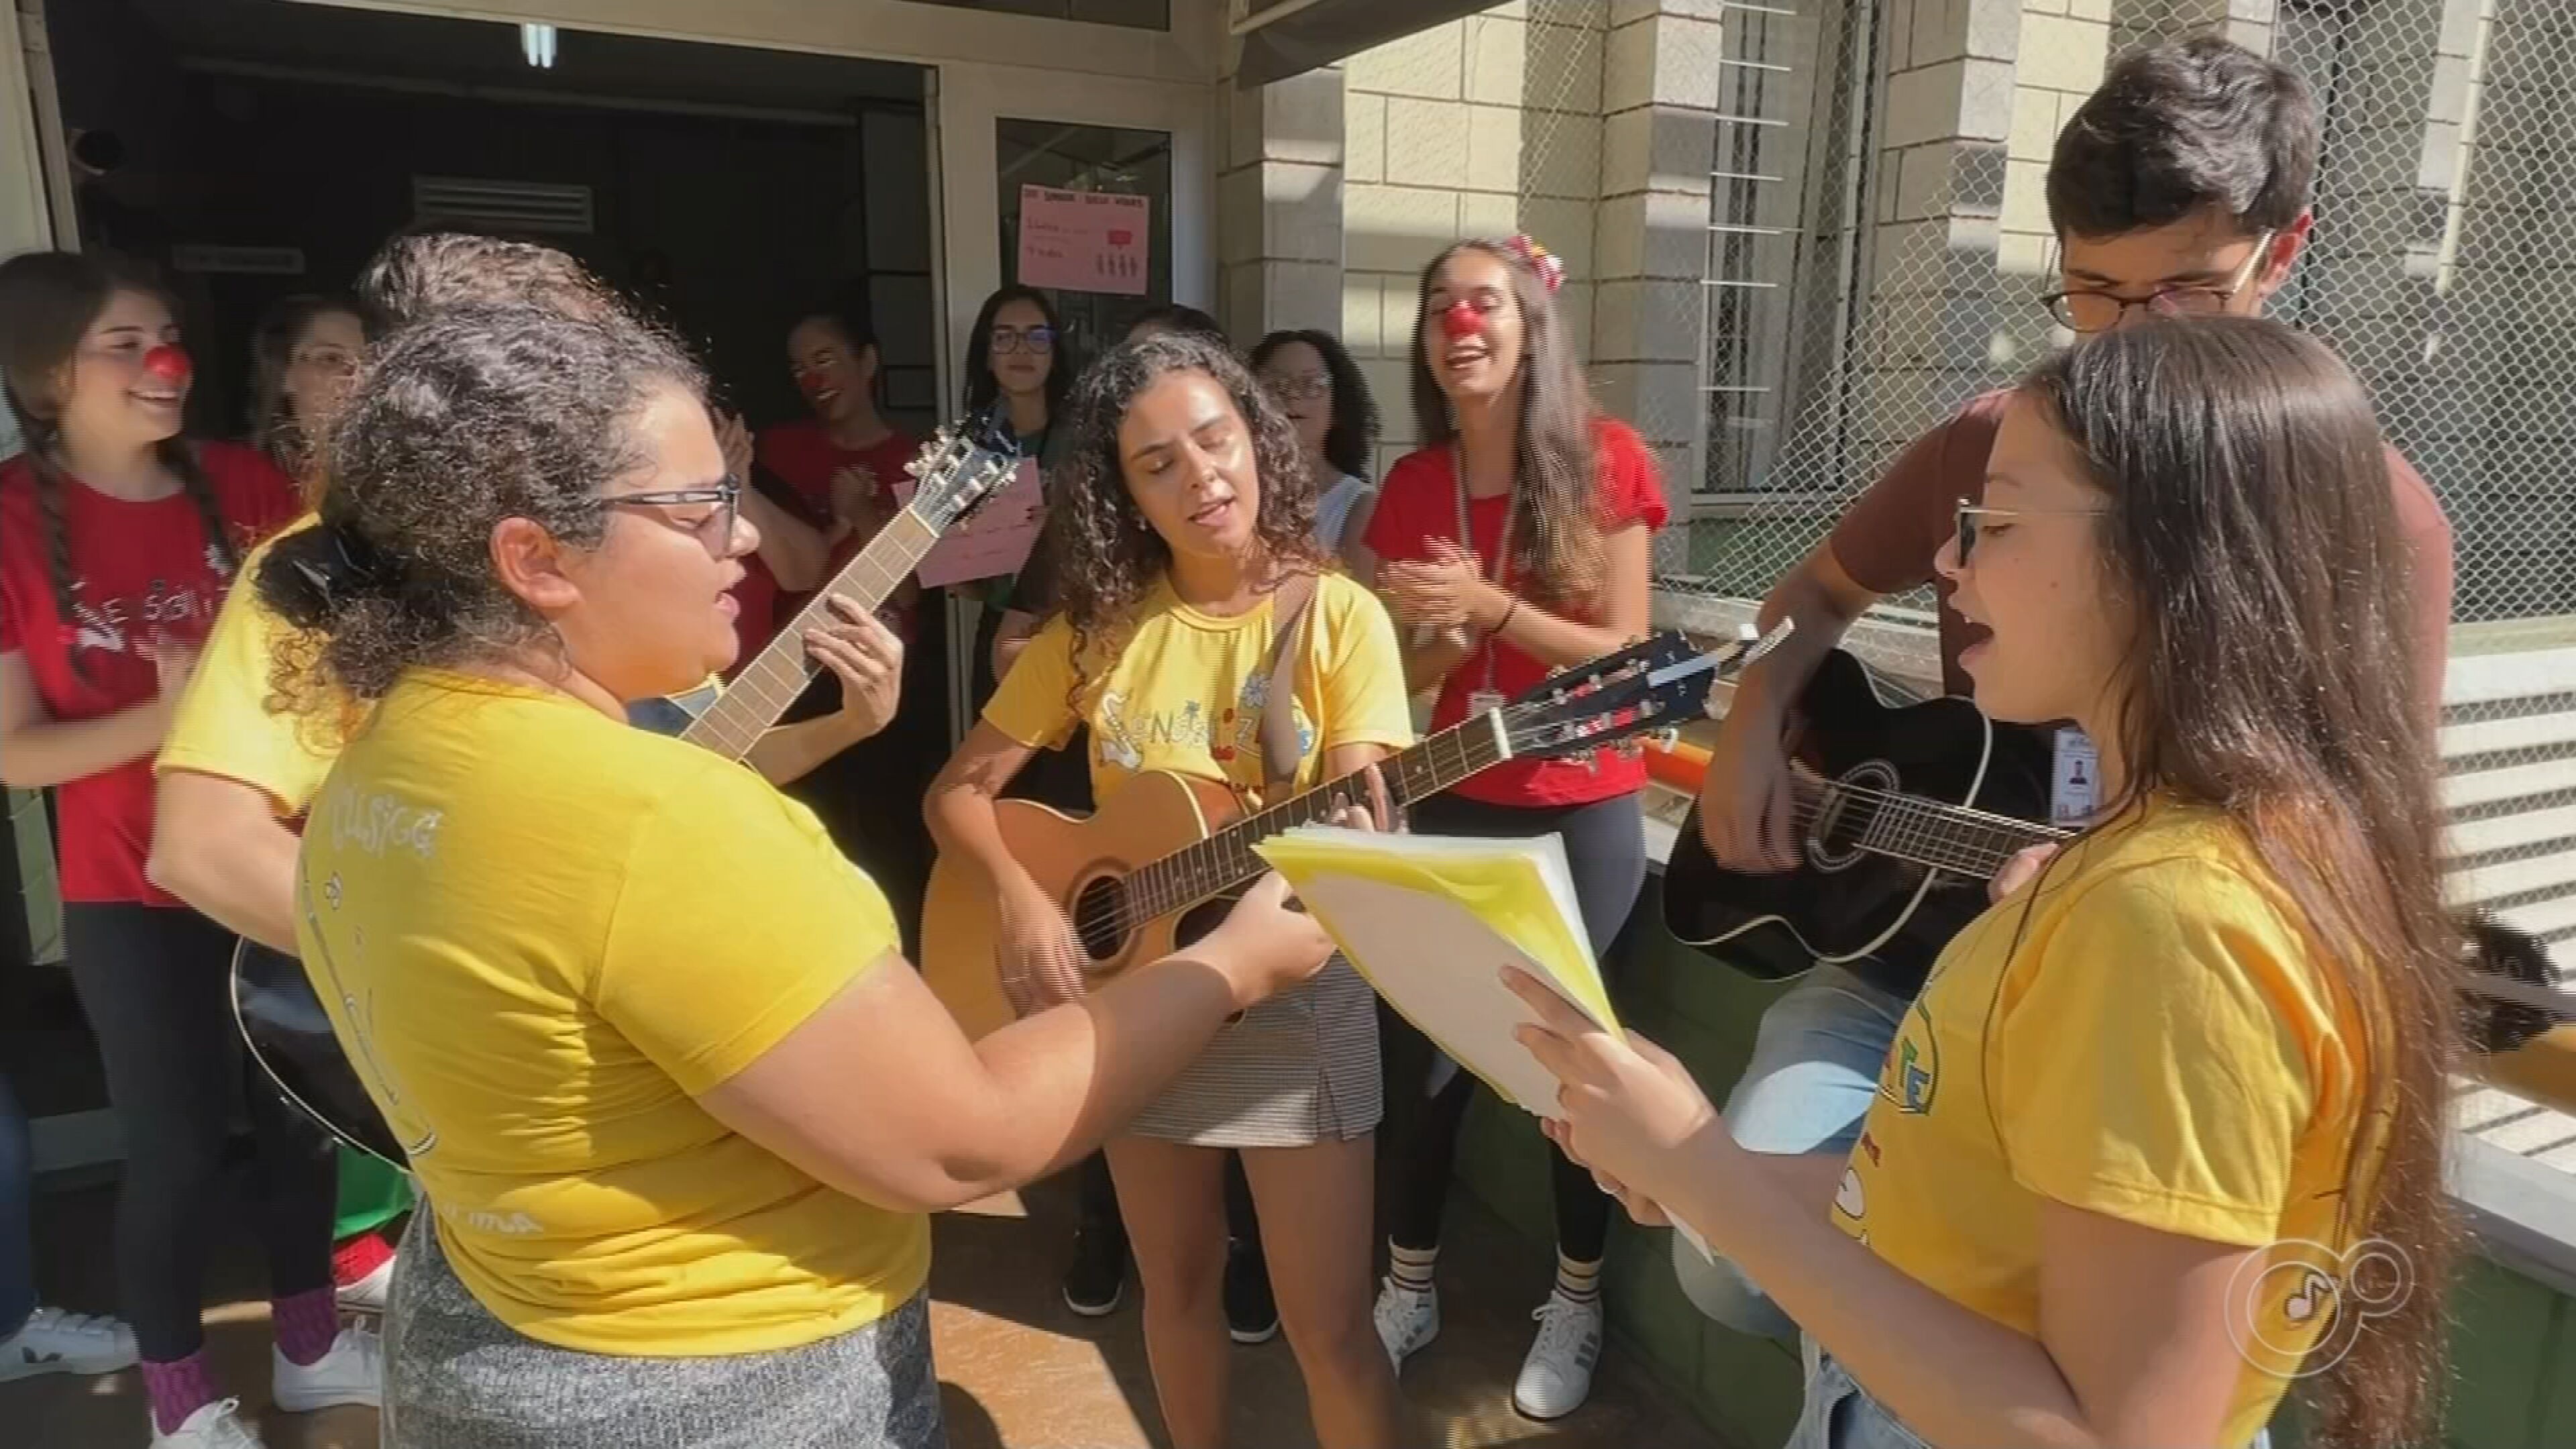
column 1972, row 521
column 713, row 528
column 1014, row 339
column 2095, row 311
column 1300, row 387
column 330, row 360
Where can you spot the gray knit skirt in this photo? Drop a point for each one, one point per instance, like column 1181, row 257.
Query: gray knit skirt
column 456, row 1377
column 1299, row 1069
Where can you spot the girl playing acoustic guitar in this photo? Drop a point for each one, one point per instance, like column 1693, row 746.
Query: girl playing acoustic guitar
column 1185, row 513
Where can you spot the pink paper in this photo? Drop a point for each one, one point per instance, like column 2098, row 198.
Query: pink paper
column 1083, row 241
column 996, row 540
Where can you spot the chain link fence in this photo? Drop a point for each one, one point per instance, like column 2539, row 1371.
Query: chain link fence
column 1873, row 258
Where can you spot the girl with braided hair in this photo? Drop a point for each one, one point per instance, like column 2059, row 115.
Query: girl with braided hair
column 118, row 539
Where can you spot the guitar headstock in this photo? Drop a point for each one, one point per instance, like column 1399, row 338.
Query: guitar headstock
column 1654, row 685
column 963, row 465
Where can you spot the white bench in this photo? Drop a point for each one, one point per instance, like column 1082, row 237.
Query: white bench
column 2508, row 744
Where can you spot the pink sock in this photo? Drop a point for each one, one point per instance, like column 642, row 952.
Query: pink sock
column 305, row 1325
column 178, row 1388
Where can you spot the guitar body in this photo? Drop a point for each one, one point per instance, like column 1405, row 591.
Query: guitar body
column 290, row 1037
column 1844, row 902
column 1083, row 864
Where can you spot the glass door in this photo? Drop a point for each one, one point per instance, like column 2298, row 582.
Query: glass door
column 1097, row 192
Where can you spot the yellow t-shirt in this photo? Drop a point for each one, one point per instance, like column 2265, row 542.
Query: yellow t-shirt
column 2150, row 1038
column 543, row 932
column 223, row 726
column 1185, row 693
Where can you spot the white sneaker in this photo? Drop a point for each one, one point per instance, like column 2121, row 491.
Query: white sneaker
column 1557, row 1376
column 367, row 1295
column 216, row 1426
column 353, row 1372
column 54, row 1342
column 1407, row 1320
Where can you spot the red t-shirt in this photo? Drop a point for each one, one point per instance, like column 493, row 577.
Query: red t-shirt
column 137, row 569
column 1888, row 538
column 1419, row 503
column 805, row 458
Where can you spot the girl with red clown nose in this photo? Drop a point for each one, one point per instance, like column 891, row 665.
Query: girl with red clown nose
column 118, row 539
column 1516, row 541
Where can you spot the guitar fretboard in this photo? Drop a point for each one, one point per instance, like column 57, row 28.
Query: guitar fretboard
column 1225, row 860
column 759, row 696
column 1911, row 828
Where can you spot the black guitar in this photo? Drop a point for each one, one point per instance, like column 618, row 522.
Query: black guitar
column 275, row 1000
column 1904, row 813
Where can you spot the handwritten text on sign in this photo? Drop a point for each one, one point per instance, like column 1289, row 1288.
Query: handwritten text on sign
column 996, row 540
column 1083, row 241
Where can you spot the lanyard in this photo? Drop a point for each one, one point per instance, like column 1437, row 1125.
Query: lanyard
column 1467, row 541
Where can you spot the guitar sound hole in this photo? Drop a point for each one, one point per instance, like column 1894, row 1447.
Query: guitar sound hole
column 1849, row 807
column 1096, row 910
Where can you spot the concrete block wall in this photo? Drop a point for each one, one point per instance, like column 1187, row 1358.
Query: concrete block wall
column 1280, row 206
column 1485, row 126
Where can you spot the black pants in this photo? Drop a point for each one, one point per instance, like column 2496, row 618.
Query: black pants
column 1605, row 846
column 156, row 984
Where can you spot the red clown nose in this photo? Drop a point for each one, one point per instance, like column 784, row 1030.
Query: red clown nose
column 1461, row 321
column 167, row 363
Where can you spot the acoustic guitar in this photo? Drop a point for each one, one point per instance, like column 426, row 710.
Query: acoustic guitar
column 275, row 998
column 1154, row 868
column 1905, row 812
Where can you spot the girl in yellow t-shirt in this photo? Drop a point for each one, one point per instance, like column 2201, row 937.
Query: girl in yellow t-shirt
column 1184, row 509
column 676, row 1102
column 2164, row 1132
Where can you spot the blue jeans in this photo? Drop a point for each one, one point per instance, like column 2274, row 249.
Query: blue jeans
column 1840, row 1414
column 17, row 1201
column 1815, row 1066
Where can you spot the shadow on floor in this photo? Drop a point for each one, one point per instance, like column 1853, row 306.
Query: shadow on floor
column 1018, row 1369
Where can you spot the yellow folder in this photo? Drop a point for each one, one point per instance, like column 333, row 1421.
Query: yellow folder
column 1431, row 921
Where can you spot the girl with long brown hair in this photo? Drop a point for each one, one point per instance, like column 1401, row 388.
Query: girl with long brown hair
column 2164, row 1132
column 118, row 539
column 1516, row 540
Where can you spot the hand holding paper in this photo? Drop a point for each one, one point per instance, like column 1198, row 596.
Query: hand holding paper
column 1625, row 1107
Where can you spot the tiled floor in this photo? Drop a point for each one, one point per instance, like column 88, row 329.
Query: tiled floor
column 1017, row 1368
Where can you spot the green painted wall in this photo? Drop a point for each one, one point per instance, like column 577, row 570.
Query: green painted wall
column 2514, row 1356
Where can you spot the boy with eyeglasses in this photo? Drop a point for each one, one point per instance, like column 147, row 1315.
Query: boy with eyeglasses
column 2182, row 187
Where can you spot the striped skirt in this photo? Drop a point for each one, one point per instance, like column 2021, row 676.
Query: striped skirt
column 1299, row 1069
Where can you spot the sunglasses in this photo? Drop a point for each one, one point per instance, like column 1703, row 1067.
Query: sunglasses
column 713, row 528
column 1972, row 521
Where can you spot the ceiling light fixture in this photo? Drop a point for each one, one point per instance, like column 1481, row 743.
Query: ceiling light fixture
column 537, row 43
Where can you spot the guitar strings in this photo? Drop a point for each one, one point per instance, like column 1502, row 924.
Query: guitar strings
column 1933, row 823
column 1119, row 913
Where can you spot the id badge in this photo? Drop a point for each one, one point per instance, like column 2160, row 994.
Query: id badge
column 1481, row 700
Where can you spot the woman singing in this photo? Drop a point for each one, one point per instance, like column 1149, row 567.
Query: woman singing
column 1517, row 541
column 118, row 537
column 2165, row 1129
column 1185, row 511
column 678, row 1102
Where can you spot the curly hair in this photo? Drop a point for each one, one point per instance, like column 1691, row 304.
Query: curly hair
column 465, row 418
column 420, row 273
column 1353, row 435
column 1105, row 556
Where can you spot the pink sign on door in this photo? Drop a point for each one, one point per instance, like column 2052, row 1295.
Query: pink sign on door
column 1083, row 241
